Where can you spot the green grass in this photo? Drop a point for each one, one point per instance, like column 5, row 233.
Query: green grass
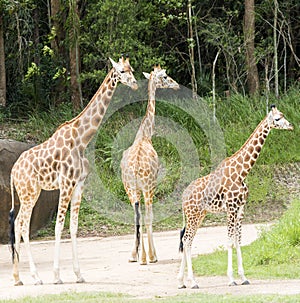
column 276, row 254
column 119, row 298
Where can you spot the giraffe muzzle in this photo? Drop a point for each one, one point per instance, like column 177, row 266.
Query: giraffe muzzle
column 134, row 86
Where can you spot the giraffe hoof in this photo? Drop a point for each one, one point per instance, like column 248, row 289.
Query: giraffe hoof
column 59, row 281
column 153, row 261
column 196, row 286
column 19, row 283
column 39, row 282
column 246, row 282
column 143, row 262
column 80, row 280
column 181, row 286
column 132, row 260
column 233, row 283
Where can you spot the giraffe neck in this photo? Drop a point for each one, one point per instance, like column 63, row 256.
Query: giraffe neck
column 88, row 121
column 146, row 128
column 250, row 151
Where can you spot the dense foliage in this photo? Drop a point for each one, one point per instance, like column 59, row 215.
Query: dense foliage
column 39, row 37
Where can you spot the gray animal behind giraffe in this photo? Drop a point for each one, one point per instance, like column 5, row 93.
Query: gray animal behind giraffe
column 224, row 190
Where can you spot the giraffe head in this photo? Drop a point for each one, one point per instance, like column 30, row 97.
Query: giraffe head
column 125, row 72
column 161, row 79
column 276, row 119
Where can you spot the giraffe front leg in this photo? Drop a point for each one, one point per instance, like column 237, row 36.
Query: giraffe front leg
column 75, row 206
column 229, row 264
column 58, row 229
column 240, row 265
column 60, row 221
column 238, row 248
column 231, row 230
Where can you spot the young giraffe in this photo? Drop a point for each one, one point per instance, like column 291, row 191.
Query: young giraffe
column 139, row 166
column 60, row 163
column 225, row 190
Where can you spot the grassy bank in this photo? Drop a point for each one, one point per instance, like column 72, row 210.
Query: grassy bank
column 275, row 254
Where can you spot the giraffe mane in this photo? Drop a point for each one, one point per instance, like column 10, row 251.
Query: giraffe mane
column 86, row 108
column 257, row 127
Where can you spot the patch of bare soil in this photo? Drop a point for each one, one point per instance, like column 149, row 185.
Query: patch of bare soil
column 105, row 267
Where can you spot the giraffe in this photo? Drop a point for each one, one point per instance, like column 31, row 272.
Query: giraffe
column 224, row 190
column 60, row 163
column 139, row 167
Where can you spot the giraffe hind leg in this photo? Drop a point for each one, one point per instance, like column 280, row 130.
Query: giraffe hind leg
column 25, row 235
column 139, row 243
column 22, row 224
column 135, row 250
column 15, row 238
column 137, row 224
column 180, row 275
column 148, row 223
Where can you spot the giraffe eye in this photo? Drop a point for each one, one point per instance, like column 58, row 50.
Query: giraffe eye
column 122, row 71
column 277, row 119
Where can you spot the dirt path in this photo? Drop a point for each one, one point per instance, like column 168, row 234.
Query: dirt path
column 105, row 267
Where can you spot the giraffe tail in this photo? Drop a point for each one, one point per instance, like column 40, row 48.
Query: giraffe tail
column 137, row 226
column 181, row 242
column 12, row 221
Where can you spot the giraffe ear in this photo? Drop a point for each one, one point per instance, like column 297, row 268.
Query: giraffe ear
column 147, row 75
column 114, row 64
column 273, row 108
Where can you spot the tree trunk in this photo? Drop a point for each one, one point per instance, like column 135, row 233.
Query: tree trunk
column 58, row 20
column 249, row 34
column 75, row 86
column 191, row 45
column 2, row 66
column 36, row 35
column 275, row 49
column 56, row 26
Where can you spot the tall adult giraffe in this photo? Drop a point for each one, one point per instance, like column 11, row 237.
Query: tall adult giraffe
column 60, row 163
column 139, row 166
column 224, row 190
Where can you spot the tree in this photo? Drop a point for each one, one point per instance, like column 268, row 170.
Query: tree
column 275, row 43
column 73, row 24
column 249, row 35
column 2, row 65
column 191, row 46
column 58, row 36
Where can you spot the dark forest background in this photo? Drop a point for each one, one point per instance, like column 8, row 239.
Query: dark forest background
column 55, row 51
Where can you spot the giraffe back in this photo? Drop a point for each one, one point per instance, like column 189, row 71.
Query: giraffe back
column 140, row 165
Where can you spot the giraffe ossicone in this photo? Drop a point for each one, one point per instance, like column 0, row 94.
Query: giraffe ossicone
column 60, row 163
column 222, row 190
column 139, row 168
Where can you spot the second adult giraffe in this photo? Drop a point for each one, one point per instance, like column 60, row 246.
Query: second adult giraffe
column 224, row 190
column 60, row 163
column 139, row 166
